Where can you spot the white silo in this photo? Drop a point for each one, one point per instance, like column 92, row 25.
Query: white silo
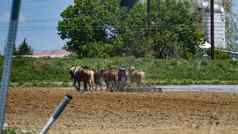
column 219, row 20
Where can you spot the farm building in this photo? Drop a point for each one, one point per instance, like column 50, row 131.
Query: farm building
column 51, row 54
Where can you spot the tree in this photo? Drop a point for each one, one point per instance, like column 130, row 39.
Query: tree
column 24, row 49
column 86, row 22
column 85, row 26
column 174, row 34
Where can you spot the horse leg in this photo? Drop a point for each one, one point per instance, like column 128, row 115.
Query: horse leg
column 96, row 85
column 84, row 86
column 93, row 86
column 77, row 86
column 107, row 85
column 115, row 84
column 74, row 82
column 90, row 86
column 112, row 86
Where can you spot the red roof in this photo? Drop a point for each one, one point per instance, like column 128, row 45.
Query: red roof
column 55, row 53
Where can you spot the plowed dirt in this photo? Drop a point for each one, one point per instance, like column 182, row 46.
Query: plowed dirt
column 120, row 113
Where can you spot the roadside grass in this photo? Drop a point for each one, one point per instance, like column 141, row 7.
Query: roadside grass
column 44, row 71
column 9, row 131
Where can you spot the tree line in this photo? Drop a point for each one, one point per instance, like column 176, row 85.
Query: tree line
column 99, row 28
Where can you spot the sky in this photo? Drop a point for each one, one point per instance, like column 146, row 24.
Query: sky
column 38, row 22
column 236, row 5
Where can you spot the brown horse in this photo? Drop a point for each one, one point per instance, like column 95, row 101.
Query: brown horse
column 73, row 71
column 122, row 79
column 98, row 79
column 80, row 74
column 136, row 76
column 89, row 74
column 110, row 77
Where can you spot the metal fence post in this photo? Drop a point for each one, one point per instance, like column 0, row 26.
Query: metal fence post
column 56, row 114
column 12, row 33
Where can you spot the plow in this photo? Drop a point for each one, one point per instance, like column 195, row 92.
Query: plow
column 142, row 88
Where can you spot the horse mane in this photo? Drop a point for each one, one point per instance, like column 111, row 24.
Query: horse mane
column 85, row 67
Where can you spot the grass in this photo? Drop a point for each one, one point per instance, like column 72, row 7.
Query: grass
column 9, row 131
column 43, row 70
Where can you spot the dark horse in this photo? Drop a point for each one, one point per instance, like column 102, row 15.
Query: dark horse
column 122, row 79
column 115, row 79
column 110, row 78
column 78, row 75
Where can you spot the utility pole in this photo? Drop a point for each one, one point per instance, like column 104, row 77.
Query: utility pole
column 158, row 23
column 12, row 33
column 148, row 16
column 212, row 29
column 158, row 8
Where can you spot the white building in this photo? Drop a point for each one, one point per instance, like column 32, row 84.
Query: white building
column 219, row 20
column 219, row 31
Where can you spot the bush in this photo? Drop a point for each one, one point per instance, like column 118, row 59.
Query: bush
column 9, row 131
column 188, row 55
column 46, row 70
column 221, row 55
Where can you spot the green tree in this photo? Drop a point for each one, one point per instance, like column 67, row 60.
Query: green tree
column 179, row 30
column 84, row 24
column 174, row 33
column 24, row 49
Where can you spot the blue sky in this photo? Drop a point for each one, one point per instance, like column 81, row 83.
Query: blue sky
column 38, row 22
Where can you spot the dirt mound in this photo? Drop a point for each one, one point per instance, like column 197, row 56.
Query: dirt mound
column 103, row 112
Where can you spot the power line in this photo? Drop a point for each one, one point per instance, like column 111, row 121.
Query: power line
column 78, row 27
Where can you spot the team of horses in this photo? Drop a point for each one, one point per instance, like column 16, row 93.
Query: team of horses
column 114, row 79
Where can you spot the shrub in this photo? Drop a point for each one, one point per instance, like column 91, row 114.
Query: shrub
column 9, row 131
column 44, row 70
column 221, row 55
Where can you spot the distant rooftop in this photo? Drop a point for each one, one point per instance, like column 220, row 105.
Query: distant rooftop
column 53, row 54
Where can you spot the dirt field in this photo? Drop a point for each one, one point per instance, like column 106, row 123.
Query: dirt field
column 125, row 113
